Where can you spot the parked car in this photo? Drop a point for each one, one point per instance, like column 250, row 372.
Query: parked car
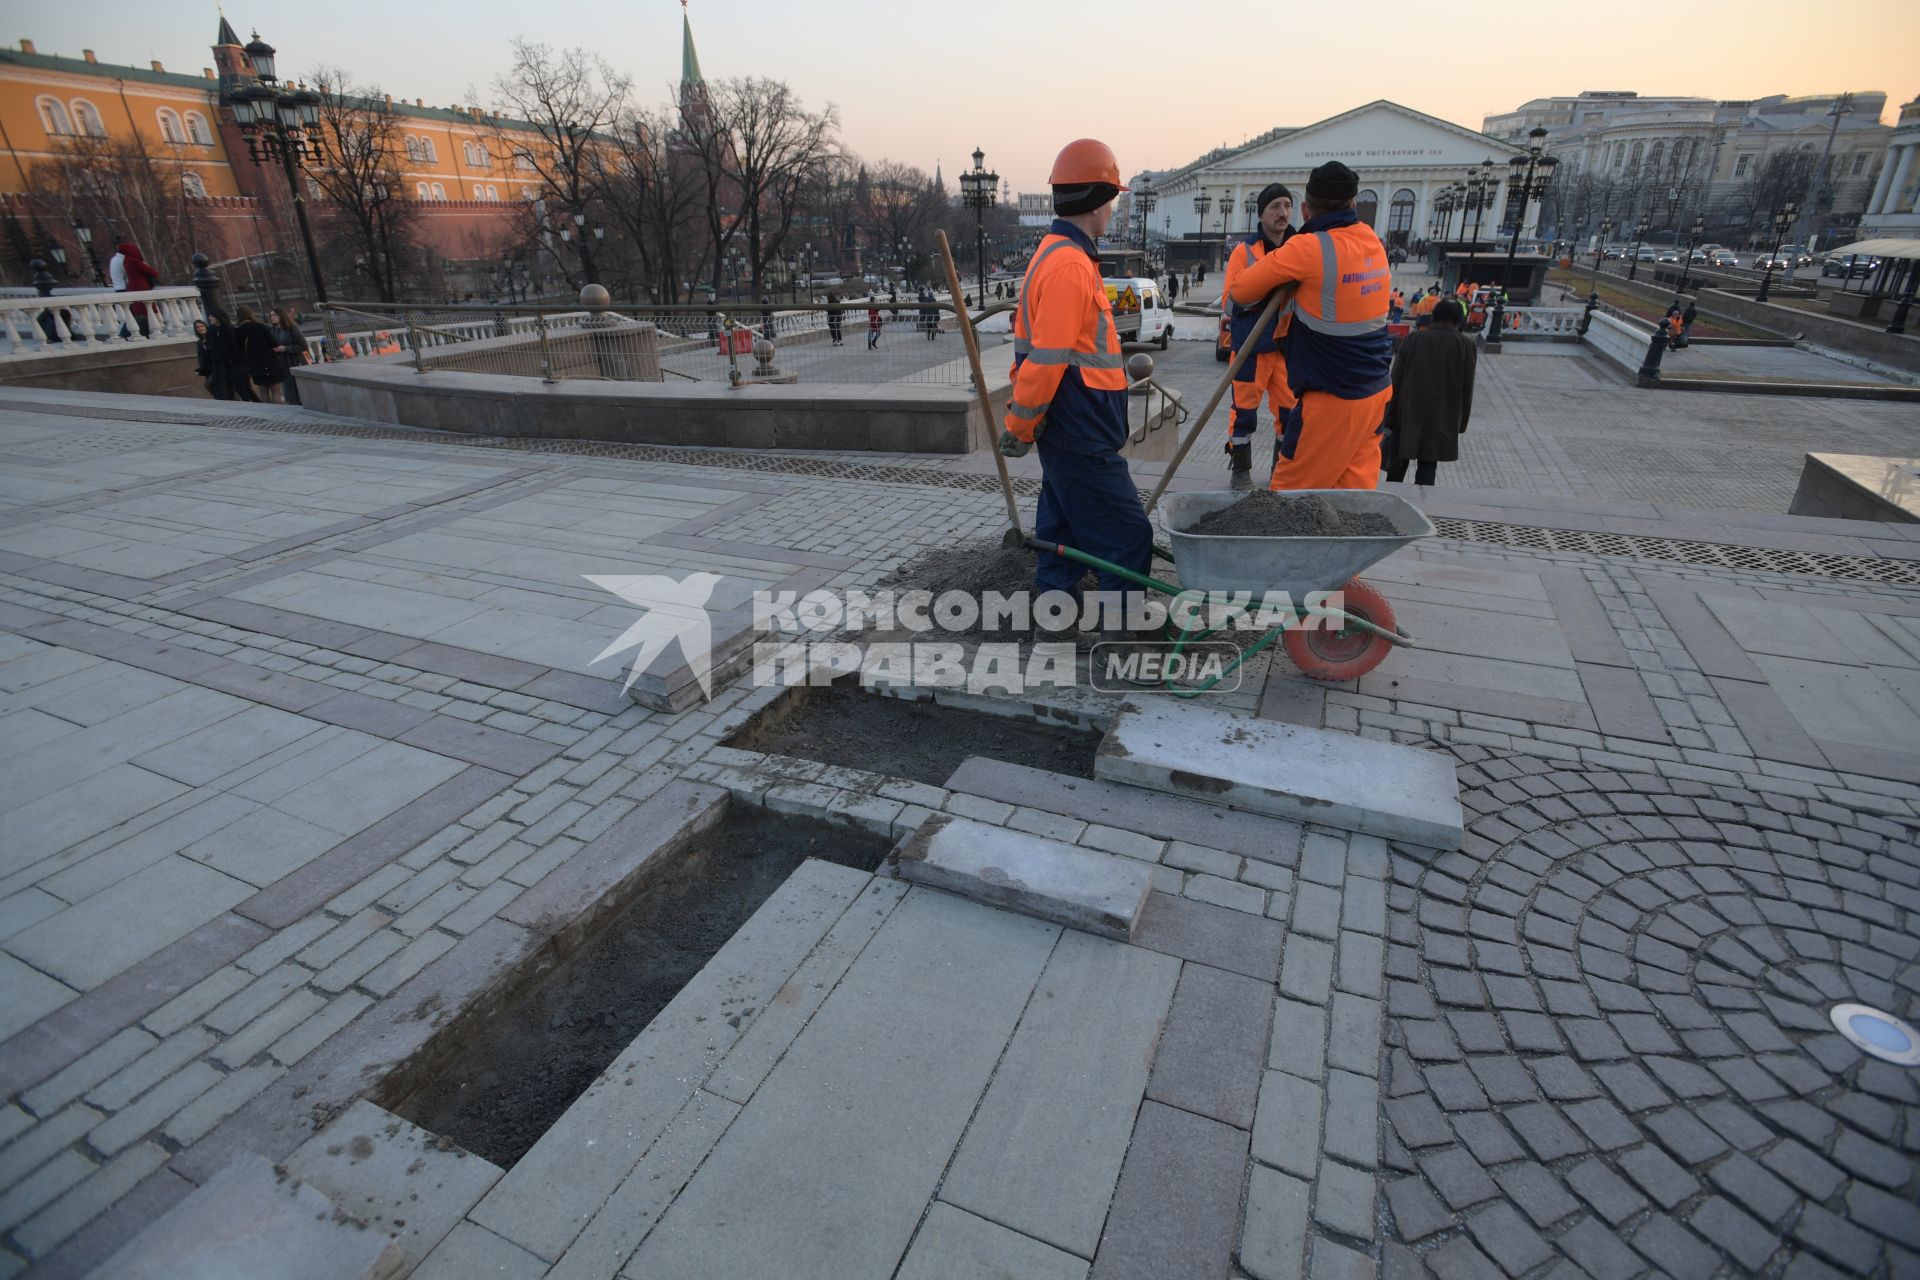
column 1850, row 266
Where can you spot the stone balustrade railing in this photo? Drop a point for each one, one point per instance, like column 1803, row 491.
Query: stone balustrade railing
column 1548, row 322
column 35, row 327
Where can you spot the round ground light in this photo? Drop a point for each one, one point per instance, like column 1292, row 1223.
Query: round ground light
column 1880, row 1034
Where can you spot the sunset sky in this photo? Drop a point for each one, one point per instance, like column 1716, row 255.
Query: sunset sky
column 921, row 82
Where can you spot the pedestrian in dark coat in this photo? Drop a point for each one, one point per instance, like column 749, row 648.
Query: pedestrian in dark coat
column 1432, row 396
column 291, row 346
column 835, row 319
column 258, row 362
column 209, row 359
column 1687, row 318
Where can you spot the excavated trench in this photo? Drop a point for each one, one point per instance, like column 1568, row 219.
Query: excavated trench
column 924, row 741
column 519, row 1071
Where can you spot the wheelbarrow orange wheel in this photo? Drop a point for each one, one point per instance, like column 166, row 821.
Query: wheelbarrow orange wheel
column 1323, row 653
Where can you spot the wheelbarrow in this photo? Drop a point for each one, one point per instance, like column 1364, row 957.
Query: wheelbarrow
column 1239, row 571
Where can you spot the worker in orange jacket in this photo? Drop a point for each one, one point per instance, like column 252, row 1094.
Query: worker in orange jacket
column 1069, row 387
column 1264, row 371
column 1339, row 354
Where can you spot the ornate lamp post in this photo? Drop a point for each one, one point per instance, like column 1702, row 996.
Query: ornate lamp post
column 1530, row 185
column 1252, row 205
column 1144, row 199
column 977, row 189
column 1782, row 223
column 1599, row 252
column 274, row 118
column 85, row 233
column 1202, row 204
column 1639, row 234
column 1480, row 186
column 1698, row 229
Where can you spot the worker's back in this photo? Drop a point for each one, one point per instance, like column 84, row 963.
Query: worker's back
column 1066, row 361
column 1338, row 341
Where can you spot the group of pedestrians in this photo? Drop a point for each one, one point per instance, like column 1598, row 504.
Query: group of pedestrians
column 246, row 358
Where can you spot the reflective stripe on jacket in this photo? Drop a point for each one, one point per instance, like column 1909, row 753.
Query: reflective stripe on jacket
column 1240, row 316
column 1338, row 341
column 1067, row 366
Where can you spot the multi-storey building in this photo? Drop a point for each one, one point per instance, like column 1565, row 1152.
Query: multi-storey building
column 1671, row 158
column 465, row 169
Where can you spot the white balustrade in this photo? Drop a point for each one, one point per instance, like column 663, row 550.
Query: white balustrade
column 1525, row 322
column 81, row 321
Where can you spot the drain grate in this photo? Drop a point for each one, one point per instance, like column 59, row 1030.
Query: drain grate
column 1724, row 555
column 1719, row 555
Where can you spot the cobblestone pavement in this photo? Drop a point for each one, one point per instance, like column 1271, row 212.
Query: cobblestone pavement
column 304, row 734
column 1609, row 1042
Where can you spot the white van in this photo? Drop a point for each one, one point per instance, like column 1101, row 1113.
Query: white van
column 1141, row 312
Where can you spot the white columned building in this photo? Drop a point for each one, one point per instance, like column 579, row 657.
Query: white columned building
column 1893, row 208
column 1404, row 158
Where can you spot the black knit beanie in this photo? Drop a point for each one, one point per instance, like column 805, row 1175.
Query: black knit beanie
column 1268, row 194
column 1068, row 201
column 1332, row 183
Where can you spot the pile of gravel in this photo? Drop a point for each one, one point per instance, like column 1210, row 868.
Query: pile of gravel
column 1291, row 515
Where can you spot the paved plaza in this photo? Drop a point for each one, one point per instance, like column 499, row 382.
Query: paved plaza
column 307, row 745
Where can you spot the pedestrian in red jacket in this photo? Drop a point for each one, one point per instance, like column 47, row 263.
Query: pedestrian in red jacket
column 140, row 278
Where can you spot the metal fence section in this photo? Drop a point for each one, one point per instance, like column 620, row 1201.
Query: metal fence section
column 883, row 340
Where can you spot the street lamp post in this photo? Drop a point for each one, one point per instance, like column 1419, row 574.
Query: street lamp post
column 1532, row 186
column 274, row 119
column 977, row 189
column 1639, row 234
column 1782, row 223
column 1252, row 206
column 1479, row 186
column 1202, row 203
column 85, row 233
column 1599, row 252
column 1146, row 198
column 1698, row 229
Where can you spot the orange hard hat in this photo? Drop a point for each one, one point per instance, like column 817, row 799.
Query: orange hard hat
column 1083, row 161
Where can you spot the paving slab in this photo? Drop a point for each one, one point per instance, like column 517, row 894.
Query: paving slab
column 1044, row 1151
column 956, row 1245
column 394, row 1176
column 1177, row 1209
column 1111, row 804
column 1101, row 893
column 249, row 1221
column 1288, row 771
column 1214, row 1045
column 841, row 1149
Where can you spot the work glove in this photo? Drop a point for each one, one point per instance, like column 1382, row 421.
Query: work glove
column 1012, row 446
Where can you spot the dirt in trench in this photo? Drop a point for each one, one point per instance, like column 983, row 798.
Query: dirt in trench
column 523, row 1070
column 1291, row 515
column 919, row 740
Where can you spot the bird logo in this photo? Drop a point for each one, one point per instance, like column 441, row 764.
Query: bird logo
column 674, row 610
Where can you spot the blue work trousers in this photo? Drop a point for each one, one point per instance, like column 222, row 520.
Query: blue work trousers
column 1088, row 501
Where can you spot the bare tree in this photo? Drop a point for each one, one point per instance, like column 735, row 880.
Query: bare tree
column 652, row 196
column 126, row 187
column 1769, row 186
column 903, row 210
column 356, row 166
column 572, row 100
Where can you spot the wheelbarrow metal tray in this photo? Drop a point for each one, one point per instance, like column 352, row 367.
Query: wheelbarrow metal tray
column 1265, row 565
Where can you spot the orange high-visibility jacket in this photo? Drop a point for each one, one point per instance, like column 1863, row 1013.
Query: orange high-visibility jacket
column 1240, row 318
column 1067, row 366
column 1338, row 341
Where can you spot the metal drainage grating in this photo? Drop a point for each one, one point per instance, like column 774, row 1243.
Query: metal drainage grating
column 1720, row 555
column 1724, row 555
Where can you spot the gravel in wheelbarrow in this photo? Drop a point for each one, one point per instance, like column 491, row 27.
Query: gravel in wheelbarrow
column 1291, row 515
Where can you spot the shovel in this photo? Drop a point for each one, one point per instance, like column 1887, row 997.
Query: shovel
column 1014, row 536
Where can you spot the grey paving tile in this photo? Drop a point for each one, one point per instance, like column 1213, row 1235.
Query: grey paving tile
column 1274, row 1235
column 1211, row 935
column 1176, row 1209
column 955, row 1245
column 942, row 1025
column 1044, row 1150
column 1214, row 1045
